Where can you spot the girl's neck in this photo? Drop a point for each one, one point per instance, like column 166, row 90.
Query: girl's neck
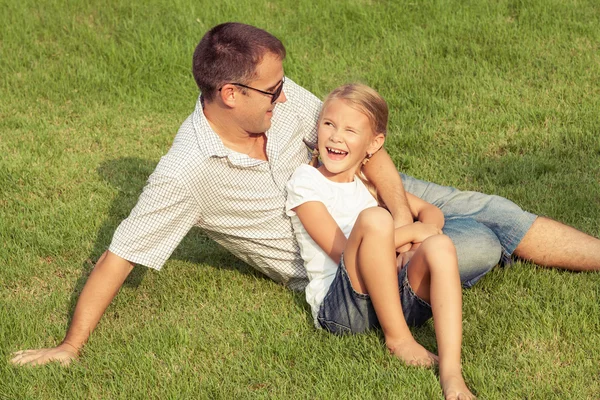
column 344, row 177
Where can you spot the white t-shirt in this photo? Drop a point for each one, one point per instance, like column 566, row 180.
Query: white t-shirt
column 344, row 201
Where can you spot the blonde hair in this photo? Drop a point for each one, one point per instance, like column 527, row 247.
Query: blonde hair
column 367, row 101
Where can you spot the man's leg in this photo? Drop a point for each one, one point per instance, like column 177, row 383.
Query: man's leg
column 552, row 244
column 477, row 248
column 541, row 240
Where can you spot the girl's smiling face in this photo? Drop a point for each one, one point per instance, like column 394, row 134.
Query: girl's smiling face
column 345, row 137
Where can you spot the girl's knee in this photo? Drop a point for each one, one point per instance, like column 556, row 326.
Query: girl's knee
column 439, row 243
column 440, row 253
column 375, row 219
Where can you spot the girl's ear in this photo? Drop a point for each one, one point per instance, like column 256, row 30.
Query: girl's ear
column 376, row 144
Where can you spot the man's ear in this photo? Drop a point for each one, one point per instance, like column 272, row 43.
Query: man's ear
column 228, row 94
column 376, row 144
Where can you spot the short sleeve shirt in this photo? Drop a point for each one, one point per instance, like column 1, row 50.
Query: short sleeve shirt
column 238, row 201
column 344, row 201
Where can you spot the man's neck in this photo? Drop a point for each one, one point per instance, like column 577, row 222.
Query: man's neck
column 232, row 135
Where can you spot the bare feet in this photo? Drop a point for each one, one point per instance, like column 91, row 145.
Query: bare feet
column 412, row 353
column 455, row 388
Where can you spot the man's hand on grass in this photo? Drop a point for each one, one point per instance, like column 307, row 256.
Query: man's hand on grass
column 63, row 353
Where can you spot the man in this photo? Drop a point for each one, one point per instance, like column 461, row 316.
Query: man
column 226, row 173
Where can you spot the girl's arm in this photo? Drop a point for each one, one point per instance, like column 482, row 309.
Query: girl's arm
column 416, row 232
column 430, row 221
column 425, row 212
column 322, row 228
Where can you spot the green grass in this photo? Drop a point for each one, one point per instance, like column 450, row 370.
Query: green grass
column 499, row 96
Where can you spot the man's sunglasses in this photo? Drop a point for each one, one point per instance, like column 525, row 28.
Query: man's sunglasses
column 274, row 95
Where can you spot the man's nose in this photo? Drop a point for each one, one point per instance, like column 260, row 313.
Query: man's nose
column 281, row 98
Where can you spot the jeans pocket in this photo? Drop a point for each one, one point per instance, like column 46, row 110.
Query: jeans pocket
column 334, row 327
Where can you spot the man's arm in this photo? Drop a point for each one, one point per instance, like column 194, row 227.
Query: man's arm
column 102, row 286
column 381, row 171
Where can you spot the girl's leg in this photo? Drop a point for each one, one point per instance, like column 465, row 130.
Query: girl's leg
column 370, row 259
column 433, row 276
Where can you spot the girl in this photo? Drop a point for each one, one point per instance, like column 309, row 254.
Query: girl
column 349, row 244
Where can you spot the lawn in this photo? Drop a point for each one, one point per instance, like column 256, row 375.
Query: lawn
column 495, row 96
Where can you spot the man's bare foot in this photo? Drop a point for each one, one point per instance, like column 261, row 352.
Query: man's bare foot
column 455, row 388
column 413, row 354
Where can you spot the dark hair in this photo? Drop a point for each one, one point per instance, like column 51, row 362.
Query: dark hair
column 229, row 53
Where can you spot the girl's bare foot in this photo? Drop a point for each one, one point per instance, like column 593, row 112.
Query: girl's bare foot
column 455, row 388
column 412, row 353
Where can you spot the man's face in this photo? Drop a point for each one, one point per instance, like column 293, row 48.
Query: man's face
column 255, row 109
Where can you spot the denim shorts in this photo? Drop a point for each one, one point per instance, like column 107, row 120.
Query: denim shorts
column 345, row 311
column 485, row 229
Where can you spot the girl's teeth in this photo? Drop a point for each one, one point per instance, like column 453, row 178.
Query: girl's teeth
column 336, row 151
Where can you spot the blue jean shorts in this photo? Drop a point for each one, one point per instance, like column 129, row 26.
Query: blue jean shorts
column 344, row 310
column 485, row 229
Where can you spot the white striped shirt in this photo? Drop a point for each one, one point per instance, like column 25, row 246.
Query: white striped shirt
column 238, row 201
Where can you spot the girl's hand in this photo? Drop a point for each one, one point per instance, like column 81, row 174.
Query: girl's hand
column 403, row 258
column 414, row 234
column 421, row 231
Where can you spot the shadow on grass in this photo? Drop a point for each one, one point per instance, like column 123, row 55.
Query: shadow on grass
column 129, row 175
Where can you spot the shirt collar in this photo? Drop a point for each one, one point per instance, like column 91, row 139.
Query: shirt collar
column 210, row 143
